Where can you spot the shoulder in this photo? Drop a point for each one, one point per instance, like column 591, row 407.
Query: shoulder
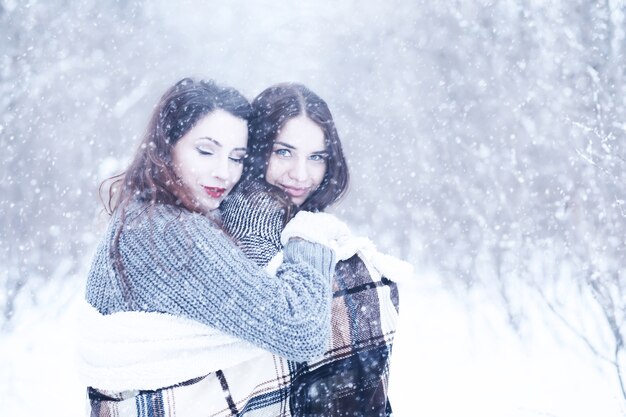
column 161, row 218
column 171, row 235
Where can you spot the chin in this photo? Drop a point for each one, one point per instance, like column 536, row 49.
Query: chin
column 214, row 206
column 209, row 206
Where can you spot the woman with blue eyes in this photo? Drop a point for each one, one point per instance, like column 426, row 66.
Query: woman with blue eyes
column 175, row 310
column 295, row 147
column 295, row 163
column 298, row 161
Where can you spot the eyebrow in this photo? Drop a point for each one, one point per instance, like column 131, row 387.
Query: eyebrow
column 286, row 145
column 216, row 142
column 211, row 140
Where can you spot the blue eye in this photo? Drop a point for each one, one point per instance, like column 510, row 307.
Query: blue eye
column 282, row 152
column 318, row 157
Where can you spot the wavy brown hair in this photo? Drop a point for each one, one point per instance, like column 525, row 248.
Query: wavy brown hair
column 150, row 178
column 271, row 110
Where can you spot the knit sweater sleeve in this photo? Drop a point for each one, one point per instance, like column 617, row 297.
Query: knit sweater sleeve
column 180, row 263
column 254, row 219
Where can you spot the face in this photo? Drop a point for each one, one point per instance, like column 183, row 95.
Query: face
column 298, row 160
column 209, row 158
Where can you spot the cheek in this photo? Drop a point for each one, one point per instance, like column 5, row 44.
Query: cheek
column 186, row 175
column 273, row 171
column 190, row 168
column 184, row 164
column 318, row 174
column 235, row 173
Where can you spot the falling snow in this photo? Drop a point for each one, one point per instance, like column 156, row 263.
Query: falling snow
column 486, row 143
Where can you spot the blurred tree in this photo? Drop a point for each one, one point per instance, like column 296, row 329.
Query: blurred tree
column 60, row 112
column 486, row 139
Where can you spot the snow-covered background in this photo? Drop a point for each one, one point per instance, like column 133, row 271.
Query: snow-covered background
column 486, row 143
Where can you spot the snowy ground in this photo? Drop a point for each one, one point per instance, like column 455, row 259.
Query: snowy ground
column 452, row 358
column 462, row 359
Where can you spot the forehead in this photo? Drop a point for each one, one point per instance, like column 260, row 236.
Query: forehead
column 230, row 131
column 302, row 133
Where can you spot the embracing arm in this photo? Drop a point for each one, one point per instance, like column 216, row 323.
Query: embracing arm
column 186, row 266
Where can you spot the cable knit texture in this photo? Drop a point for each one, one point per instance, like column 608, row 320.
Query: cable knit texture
column 181, row 263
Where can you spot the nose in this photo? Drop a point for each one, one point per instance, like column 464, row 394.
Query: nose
column 299, row 171
column 221, row 169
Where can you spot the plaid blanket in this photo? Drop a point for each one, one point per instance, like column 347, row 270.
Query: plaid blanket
column 258, row 388
column 349, row 379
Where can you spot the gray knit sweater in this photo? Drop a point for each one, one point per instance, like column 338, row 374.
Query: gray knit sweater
column 181, row 263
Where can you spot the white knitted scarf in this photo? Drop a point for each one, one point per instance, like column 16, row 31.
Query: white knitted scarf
column 139, row 350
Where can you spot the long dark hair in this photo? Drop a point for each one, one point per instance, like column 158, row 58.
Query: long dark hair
column 271, row 110
column 150, row 179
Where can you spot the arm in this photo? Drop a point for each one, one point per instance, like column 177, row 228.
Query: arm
column 186, row 266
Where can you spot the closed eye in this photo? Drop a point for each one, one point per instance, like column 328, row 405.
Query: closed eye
column 237, row 159
column 204, row 151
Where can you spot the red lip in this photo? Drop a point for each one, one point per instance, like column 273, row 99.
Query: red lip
column 214, row 192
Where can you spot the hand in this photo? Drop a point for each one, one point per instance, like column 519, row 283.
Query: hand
column 322, row 228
